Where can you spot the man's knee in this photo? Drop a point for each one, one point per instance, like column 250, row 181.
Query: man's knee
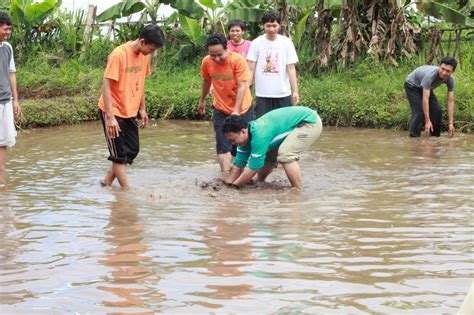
column 287, row 157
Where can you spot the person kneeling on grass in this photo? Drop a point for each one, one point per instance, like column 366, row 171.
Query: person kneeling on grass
column 278, row 136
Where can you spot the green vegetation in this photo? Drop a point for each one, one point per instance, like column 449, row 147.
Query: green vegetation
column 354, row 55
column 363, row 95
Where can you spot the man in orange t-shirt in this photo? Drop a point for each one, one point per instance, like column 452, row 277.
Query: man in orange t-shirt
column 123, row 97
column 228, row 74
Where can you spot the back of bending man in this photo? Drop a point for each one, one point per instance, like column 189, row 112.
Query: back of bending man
column 228, row 74
column 278, row 136
column 419, row 86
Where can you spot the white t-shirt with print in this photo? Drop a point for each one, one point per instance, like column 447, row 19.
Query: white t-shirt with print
column 271, row 58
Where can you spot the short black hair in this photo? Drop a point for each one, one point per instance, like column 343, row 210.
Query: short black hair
column 5, row 19
column 450, row 61
column 270, row 16
column 152, row 34
column 238, row 23
column 216, row 39
column 234, row 123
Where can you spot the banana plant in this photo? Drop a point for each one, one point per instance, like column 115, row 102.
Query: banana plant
column 33, row 21
column 459, row 12
column 214, row 14
column 188, row 8
column 26, row 13
column 124, row 8
column 249, row 11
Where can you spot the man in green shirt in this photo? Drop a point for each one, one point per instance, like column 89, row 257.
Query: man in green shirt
column 278, row 136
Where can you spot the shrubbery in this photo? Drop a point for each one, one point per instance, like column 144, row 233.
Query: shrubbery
column 362, row 96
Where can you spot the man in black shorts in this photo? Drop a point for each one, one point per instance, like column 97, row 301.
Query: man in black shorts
column 123, row 98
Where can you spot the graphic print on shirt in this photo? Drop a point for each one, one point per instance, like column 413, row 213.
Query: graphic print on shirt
column 272, row 61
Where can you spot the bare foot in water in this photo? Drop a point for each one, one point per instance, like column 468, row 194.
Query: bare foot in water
column 104, row 183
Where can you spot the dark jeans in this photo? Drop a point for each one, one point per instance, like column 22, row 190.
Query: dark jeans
column 415, row 98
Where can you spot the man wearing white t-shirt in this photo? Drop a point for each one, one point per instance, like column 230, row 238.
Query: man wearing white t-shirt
column 271, row 60
column 9, row 106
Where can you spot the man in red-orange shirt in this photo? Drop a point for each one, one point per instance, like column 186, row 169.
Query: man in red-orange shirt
column 228, row 74
column 123, row 98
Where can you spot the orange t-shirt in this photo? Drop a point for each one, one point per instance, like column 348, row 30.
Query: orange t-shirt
column 127, row 70
column 224, row 78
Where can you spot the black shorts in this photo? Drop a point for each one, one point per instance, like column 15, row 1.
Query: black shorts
column 264, row 105
column 222, row 144
column 124, row 148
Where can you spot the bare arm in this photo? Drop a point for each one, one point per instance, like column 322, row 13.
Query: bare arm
column 451, row 130
column 241, row 88
column 205, row 88
column 143, row 113
column 245, row 177
column 234, row 174
column 251, row 66
column 293, row 82
column 426, row 111
column 111, row 124
column 16, row 104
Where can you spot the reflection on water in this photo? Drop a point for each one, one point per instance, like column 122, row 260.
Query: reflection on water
column 129, row 274
column 383, row 225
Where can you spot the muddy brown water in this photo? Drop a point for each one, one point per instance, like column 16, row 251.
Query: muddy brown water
column 383, row 225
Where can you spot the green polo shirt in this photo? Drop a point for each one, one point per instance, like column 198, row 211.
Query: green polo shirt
column 269, row 131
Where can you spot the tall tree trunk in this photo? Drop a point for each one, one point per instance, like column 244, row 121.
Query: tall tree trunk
column 322, row 43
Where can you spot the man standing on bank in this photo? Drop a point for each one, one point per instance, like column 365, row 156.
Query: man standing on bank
column 419, row 86
column 271, row 60
column 228, row 74
column 123, row 97
column 279, row 136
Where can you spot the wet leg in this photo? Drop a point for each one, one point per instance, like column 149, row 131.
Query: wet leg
column 109, row 177
column 3, row 163
column 264, row 172
column 120, row 172
column 293, row 172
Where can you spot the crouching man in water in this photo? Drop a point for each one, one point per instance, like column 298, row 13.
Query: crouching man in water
column 278, row 136
column 419, row 86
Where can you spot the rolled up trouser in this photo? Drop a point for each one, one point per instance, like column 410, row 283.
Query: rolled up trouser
column 299, row 140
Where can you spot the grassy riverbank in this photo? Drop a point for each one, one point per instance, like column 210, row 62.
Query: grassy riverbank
column 364, row 95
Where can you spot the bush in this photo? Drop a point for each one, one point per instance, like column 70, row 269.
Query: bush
column 360, row 96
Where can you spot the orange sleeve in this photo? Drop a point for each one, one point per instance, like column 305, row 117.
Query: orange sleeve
column 241, row 70
column 204, row 71
column 112, row 71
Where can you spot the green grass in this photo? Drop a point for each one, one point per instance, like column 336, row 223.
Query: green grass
column 364, row 95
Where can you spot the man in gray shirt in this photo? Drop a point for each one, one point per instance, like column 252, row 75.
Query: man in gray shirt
column 419, row 86
column 8, row 95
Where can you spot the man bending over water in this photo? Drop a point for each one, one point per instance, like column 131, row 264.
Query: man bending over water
column 419, row 86
column 278, row 136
